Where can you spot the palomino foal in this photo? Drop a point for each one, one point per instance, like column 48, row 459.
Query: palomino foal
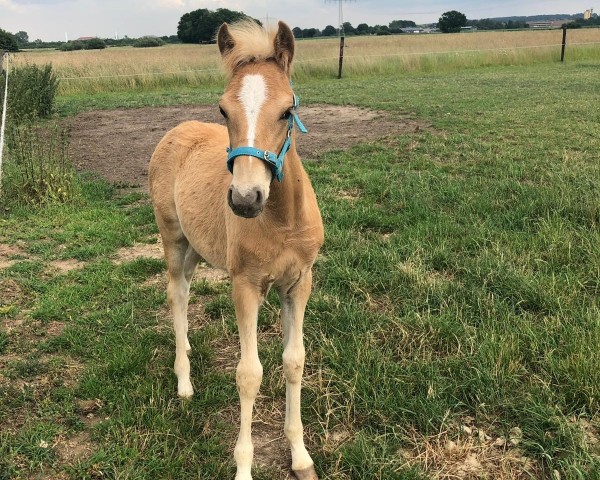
column 261, row 224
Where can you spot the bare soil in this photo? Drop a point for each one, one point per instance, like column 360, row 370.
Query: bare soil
column 118, row 144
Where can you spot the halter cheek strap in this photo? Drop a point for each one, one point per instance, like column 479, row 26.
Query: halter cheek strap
column 274, row 161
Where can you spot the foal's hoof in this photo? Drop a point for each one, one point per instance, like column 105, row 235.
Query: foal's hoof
column 306, row 474
column 185, row 389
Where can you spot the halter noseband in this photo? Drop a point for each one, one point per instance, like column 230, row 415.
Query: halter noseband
column 274, row 161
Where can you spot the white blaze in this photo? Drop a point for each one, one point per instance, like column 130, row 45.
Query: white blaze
column 252, row 96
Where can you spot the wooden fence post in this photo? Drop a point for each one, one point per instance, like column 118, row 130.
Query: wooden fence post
column 564, row 43
column 342, row 39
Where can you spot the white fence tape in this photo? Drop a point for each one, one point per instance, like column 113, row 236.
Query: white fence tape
column 3, row 124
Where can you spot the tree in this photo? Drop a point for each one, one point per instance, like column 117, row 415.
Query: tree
column 486, row 24
column 200, row 26
column 309, row 32
column 348, row 28
column 363, row 29
column 297, row 31
column 382, row 30
column 396, row 26
column 22, row 38
column 8, row 42
column 452, row 21
column 329, row 31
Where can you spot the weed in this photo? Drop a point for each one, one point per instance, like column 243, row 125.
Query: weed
column 38, row 167
column 3, row 342
column 32, row 91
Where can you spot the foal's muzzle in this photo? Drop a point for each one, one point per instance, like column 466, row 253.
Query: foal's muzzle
column 247, row 204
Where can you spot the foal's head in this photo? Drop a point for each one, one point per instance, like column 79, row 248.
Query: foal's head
column 257, row 105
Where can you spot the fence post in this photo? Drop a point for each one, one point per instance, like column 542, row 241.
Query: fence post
column 564, row 43
column 4, row 108
column 342, row 38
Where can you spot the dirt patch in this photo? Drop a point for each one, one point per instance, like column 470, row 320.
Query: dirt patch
column 65, row 266
column 10, row 291
column 351, row 195
column 118, row 144
column 8, row 254
column 467, row 451
column 73, row 449
column 211, row 275
column 271, row 448
column 80, row 446
column 155, row 251
column 139, row 250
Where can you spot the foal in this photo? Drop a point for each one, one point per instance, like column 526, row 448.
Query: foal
column 261, row 224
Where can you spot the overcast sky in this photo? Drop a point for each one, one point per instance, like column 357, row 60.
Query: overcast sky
column 51, row 19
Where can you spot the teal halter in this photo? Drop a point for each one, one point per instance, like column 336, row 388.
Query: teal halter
column 274, row 161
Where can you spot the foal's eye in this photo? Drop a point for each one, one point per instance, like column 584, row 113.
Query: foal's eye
column 223, row 113
column 286, row 115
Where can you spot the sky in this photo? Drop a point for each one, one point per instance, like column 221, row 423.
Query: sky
column 52, row 20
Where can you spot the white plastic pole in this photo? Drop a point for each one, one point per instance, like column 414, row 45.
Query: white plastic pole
column 3, row 124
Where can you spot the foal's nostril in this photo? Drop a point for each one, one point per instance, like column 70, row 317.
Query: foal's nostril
column 259, row 197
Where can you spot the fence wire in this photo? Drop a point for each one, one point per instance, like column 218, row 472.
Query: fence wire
column 335, row 58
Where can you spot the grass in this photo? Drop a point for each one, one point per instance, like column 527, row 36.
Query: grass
column 190, row 66
column 453, row 330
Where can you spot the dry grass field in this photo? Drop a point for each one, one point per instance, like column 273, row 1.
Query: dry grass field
column 177, row 65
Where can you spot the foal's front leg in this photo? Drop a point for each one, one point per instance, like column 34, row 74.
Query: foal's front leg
column 247, row 299
column 293, row 304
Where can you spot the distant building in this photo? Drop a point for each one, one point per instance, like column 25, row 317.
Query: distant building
column 588, row 14
column 547, row 24
column 468, row 28
column 85, row 38
column 411, row 30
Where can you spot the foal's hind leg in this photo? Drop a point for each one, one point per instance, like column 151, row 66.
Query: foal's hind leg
column 293, row 304
column 181, row 262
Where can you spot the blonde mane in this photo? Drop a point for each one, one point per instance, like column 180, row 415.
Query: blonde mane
column 253, row 43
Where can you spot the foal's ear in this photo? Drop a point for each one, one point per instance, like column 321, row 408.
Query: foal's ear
column 225, row 40
column 284, row 48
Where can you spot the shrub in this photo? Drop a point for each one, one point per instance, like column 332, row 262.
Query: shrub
column 31, row 92
column 149, row 42
column 70, row 46
column 38, row 169
column 95, row 44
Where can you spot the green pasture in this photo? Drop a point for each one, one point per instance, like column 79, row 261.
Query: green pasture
column 455, row 313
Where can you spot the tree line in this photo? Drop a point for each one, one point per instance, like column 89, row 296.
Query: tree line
column 394, row 27
column 20, row 40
